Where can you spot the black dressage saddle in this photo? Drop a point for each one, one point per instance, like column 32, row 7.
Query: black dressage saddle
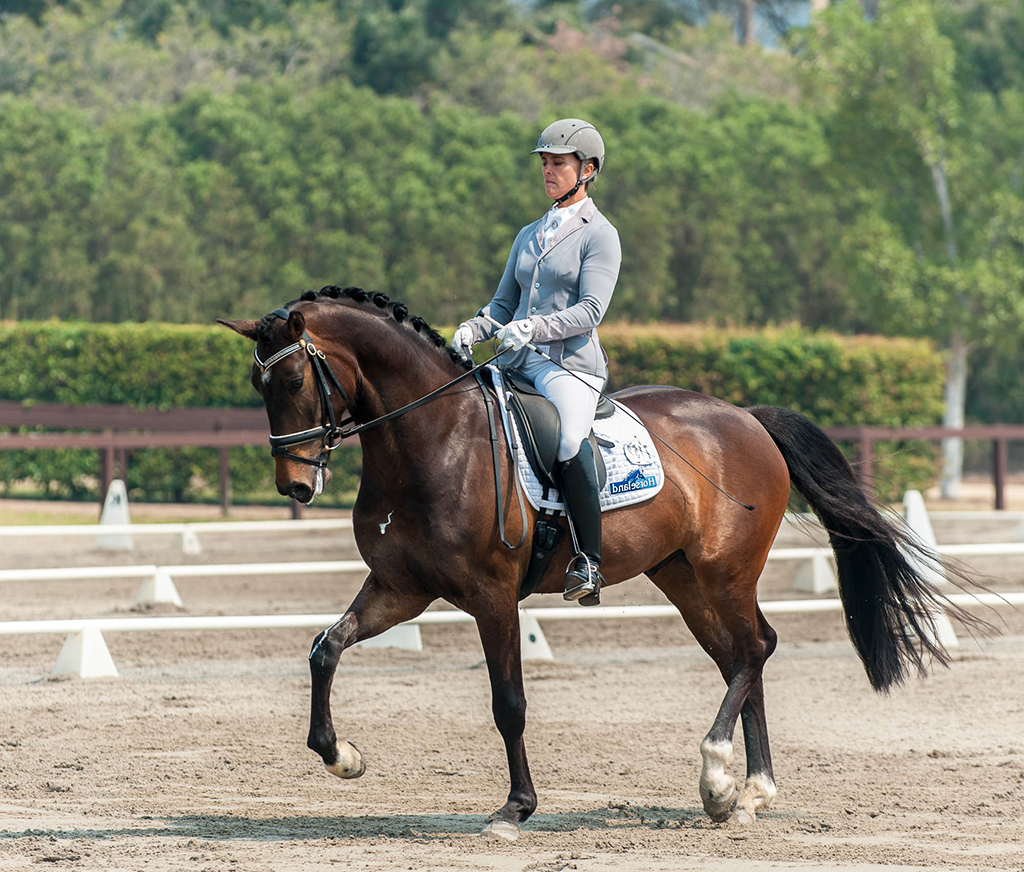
column 541, row 429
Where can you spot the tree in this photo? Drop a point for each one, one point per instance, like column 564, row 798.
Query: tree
column 936, row 245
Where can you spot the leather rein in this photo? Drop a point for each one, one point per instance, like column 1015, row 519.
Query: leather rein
column 333, row 432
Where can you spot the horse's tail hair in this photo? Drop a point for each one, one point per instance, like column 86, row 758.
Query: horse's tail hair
column 889, row 606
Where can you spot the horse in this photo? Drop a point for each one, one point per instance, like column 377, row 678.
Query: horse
column 426, row 523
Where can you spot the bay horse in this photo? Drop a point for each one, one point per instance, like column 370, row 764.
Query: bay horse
column 425, row 523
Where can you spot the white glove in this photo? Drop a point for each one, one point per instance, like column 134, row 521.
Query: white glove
column 516, row 334
column 462, row 341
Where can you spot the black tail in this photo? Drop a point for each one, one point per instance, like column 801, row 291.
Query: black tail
column 889, row 607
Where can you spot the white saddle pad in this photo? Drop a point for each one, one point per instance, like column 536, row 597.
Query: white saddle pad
column 634, row 469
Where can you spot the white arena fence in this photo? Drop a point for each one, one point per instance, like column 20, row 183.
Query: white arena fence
column 85, row 653
column 188, row 531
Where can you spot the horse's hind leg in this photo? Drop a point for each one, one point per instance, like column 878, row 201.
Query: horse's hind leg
column 739, row 640
column 373, row 611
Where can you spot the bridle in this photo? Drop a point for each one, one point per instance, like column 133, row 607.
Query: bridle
column 330, row 431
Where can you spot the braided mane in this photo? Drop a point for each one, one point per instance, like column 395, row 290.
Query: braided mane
column 398, row 311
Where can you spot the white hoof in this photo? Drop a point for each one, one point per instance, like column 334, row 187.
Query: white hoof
column 741, row 818
column 719, row 799
column 503, row 831
column 349, row 762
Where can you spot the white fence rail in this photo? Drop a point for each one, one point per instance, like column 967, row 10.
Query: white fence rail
column 85, row 652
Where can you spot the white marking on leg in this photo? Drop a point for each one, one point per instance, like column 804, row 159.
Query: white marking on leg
column 757, row 795
column 383, row 526
column 717, row 787
column 323, row 636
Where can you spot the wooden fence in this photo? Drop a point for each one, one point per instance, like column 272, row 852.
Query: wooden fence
column 115, row 430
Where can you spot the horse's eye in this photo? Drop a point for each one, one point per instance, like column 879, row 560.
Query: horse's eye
column 295, row 385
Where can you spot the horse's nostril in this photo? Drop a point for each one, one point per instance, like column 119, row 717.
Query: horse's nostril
column 303, row 493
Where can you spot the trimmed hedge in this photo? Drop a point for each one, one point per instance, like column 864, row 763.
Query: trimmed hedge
column 832, row 379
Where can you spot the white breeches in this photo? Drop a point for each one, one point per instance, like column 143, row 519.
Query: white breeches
column 574, row 394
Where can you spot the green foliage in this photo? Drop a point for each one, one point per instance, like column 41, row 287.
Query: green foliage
column 832, row 379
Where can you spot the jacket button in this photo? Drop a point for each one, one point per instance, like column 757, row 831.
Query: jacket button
column 533, row 309
column 537, row 285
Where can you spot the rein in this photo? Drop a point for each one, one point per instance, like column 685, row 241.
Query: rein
column 330, row 430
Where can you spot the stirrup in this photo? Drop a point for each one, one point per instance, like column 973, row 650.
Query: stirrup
column 583, row 583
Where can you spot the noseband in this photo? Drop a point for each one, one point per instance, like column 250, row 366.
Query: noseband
column 329, row 430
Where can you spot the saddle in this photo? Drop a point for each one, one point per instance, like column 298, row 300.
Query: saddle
column 541, row 429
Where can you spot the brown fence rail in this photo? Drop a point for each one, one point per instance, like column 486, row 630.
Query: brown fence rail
column 120, row 428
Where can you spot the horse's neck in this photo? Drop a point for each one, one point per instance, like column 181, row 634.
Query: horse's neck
column 408, row 451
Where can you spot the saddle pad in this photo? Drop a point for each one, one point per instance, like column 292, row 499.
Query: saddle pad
column 634, row 469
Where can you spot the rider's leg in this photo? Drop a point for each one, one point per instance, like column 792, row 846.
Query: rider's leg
column 575, row 395
column 578, row 475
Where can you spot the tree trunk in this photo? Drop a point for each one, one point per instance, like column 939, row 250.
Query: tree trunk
column 746, row 22
column 956, row 363
column 956, row 400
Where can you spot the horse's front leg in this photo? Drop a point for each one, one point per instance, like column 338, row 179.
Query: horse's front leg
column 374, row 610
column 499, row 634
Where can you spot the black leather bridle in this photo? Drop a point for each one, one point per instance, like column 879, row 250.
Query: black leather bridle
column 330, row 431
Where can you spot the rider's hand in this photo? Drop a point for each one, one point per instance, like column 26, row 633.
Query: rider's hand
column 462, row 341
column 516, row 334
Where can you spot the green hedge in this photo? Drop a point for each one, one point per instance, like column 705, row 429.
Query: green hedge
column 835, row 380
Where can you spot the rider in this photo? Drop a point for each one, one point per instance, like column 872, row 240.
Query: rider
column 554, row 292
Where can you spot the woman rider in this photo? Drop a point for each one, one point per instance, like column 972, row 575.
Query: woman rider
column 554, row 292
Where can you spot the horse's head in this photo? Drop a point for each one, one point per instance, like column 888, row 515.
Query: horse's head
column 304, row 397
column 308, row 376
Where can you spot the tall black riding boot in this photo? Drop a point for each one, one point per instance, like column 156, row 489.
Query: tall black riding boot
column 583, row 579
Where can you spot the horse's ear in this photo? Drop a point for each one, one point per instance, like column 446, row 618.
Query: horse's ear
column 297, row 324
column 243, row 328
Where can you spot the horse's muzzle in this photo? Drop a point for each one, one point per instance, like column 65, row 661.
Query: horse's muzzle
column 304, row 491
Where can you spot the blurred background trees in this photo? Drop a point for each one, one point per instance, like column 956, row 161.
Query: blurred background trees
column 179, row 161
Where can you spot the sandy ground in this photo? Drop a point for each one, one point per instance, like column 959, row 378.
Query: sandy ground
column 195, row 758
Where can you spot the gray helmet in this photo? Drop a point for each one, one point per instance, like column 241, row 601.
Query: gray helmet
column 573, row 136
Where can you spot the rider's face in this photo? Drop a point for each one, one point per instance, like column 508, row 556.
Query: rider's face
column 560, row 172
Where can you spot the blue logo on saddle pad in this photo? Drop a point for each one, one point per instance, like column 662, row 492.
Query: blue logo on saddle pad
column 635, row 481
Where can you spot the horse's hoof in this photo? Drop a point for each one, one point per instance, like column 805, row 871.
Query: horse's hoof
column 741, row 818
column 501, row 830
column 719, row 803
column 348, row 762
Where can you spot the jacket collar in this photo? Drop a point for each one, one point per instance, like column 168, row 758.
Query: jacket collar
column 584, row 216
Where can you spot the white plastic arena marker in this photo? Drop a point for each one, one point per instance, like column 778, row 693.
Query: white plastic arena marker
column 115, row 512
column 534, row 645
column 816, row 575
column 405, row 636
column 916, row 515
column 85, row 654
column 190, row 541
column 158, row 588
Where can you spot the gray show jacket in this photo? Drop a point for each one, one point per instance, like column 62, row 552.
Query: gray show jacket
column 564, row 289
